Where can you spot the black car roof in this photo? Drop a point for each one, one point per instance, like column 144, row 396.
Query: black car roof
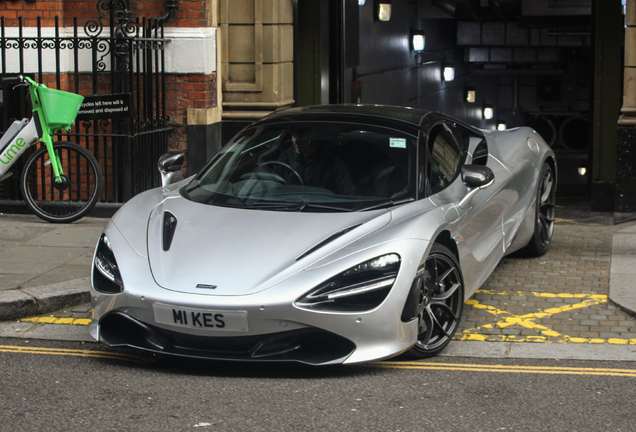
column 412, row 116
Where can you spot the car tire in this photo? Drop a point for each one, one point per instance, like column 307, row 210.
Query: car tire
column 440, row 287
column 545, row 214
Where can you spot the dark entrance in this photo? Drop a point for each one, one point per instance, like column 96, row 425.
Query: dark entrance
column 326, row 44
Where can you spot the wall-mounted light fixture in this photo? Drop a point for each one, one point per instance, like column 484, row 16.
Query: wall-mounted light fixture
column 470, row 95
column 383, row 10
column 449, row 72
column 582, row 170
column 418, row 41
column 361, row 2
column 501, row 125
column 488, row 112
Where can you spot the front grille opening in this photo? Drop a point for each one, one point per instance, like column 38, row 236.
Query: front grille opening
column 310, row 346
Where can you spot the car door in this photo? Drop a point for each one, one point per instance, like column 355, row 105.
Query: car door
column 478, row 229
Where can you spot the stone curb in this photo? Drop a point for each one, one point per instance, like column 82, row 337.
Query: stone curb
column 622, row 291
column 25, row 302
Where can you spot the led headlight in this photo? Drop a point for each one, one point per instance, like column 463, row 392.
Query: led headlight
column 106, row 276
column 362, row 287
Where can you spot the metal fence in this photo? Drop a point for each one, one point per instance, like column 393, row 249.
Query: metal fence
column 117, row 62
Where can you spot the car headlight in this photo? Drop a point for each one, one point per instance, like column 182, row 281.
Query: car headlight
column 359, row 288
column 106, row 276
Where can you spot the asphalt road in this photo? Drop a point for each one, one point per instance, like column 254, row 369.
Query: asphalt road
column 62, row 386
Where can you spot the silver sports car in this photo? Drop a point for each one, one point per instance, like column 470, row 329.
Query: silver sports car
column 328, row 234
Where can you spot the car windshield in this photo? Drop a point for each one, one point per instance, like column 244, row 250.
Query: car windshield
column 311, row 166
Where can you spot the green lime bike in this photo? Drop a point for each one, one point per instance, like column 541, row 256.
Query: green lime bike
column 61, row 181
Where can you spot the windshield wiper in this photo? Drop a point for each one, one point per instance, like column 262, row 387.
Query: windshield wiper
column 293, row 206
column 324, row 207
column 275, row 205
column 387, row 203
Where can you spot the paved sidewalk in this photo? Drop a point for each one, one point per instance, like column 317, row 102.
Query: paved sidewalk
column 44, row 267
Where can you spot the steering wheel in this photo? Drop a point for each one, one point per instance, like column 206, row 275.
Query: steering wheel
column 284, row 165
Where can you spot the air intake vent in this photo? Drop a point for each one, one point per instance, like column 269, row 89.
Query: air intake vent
column 169, row 227
column 327, row 240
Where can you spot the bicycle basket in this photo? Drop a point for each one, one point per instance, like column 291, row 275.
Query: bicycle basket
column 59, row 107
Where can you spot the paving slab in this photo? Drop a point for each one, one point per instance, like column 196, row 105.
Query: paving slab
column 476, row 349
column 23, row 228
column 13, row 281
column 624, row 263
column 65, row 272
column 602, row 352
column 57, row 332
column 14, row 329
column 624, row 243
column 36, row 259
column 70, row 236
column 554, row 351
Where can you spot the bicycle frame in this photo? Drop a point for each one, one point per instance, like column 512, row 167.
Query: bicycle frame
column 36, row 128
column 25, row 138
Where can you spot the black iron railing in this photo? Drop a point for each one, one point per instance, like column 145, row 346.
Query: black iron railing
column 115, row 54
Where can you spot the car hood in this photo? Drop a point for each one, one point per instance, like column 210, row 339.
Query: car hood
column 229, row 251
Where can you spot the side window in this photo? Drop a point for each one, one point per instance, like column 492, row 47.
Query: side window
column 474, row 143
column 480, row 155
column 444, row 156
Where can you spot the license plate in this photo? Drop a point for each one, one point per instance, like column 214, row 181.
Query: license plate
column 217, row 320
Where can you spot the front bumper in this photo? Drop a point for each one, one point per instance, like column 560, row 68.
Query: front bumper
column 311, row 346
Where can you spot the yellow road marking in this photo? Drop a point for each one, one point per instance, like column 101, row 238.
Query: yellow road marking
column 507, row 369
column 54, row 320
column 72, row 352
column 577, row 221
column 527, row 320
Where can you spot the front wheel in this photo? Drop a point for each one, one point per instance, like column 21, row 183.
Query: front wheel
column 440, row 288
column 74, row 196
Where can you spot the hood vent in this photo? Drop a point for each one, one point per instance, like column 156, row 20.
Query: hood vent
column 169, row 227
column 327, row 240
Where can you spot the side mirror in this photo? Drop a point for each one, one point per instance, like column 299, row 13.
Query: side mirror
column 476, row 178
column 168, row 164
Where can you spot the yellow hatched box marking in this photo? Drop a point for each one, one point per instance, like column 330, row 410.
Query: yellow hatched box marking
column 508, row 319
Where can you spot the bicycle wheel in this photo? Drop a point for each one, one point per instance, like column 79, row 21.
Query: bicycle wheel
column 69, row 200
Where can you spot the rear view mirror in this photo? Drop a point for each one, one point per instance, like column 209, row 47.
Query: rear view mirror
column 168, row 164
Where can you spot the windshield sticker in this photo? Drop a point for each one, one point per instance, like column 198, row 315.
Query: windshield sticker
column 397, row 142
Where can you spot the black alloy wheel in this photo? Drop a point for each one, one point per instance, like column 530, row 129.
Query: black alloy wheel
column 441, row 298
column 545, row 214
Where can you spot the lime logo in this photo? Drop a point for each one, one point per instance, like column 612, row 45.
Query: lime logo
column 12, row 151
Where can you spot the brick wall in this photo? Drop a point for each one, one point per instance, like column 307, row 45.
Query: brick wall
column 185, row 91
column 193, row 13
column 190, row 13
column 30, row 11
column 82, row 9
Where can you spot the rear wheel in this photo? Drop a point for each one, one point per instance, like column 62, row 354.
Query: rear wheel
column 545, row 214
column 440, row 285
column 74, row 196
